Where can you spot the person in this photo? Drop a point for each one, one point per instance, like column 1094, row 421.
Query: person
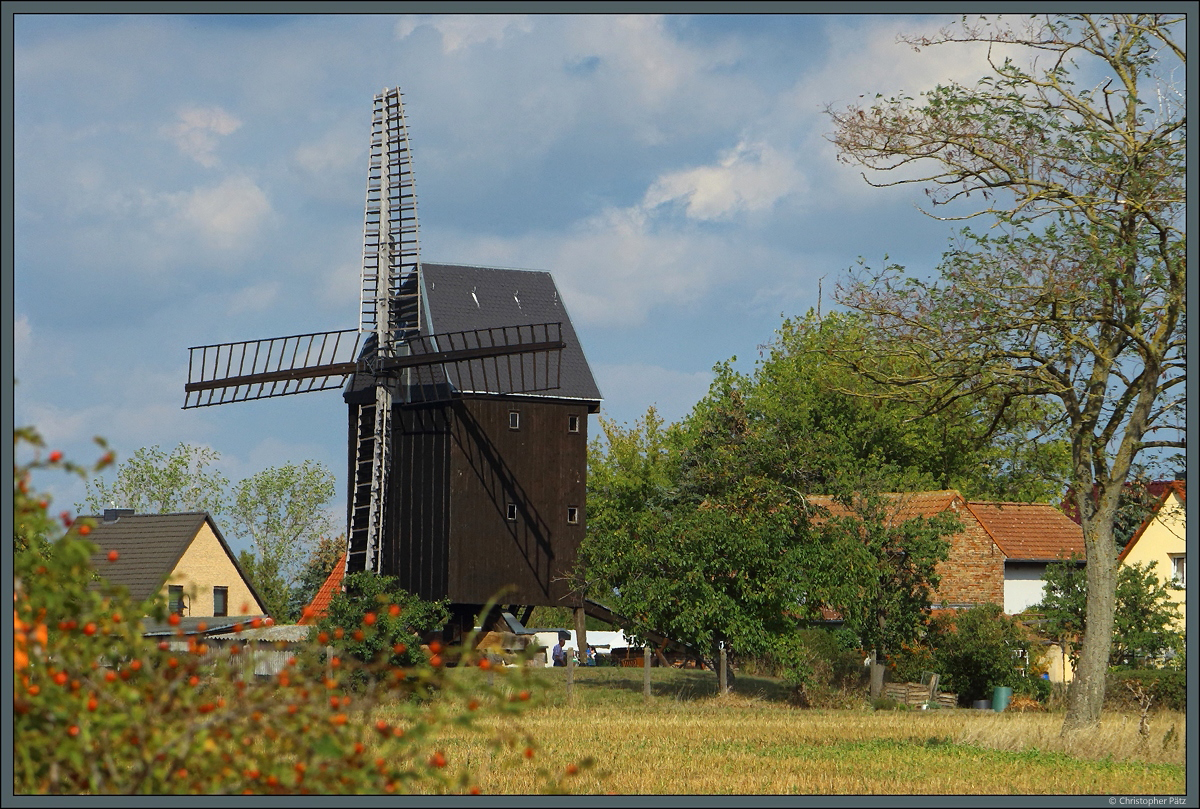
column 591, row 656
column 559, row 652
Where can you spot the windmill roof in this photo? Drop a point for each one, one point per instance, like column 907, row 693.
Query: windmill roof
column 149, row 546
column 1030, row 531
column 460, row 298
column 319, row 607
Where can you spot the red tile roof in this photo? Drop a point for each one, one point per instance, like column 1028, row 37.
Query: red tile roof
column 904, row 505
column 1178, row 487
column 1032, row 531
column 331, row 587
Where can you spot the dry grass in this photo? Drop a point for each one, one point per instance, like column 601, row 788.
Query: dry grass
column 686, row 741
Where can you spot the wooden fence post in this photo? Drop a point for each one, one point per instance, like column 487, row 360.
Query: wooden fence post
column 570, row 678
column 646, row 672
column 722, row 676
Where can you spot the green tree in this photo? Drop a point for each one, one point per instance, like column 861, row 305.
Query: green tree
column 1078, row 293
column 881, row 569
column 719, row 570
column 320, row 563
column 1145, row 620
column 157, row 482
column 978, row 649
column 281, row 510
column 397, row 620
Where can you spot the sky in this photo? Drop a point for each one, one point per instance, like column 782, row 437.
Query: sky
column 186, row 180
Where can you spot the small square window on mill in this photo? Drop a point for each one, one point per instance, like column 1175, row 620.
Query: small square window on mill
column 572, row 515
column 572, row 424
column 514, row 420
column 512, row 512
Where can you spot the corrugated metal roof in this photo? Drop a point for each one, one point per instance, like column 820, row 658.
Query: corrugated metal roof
column 1030, row 531
column 461, row 298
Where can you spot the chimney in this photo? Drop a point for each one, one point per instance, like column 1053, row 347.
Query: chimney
column 114, row 514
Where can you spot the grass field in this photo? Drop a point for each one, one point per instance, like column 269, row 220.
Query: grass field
column 688, row 741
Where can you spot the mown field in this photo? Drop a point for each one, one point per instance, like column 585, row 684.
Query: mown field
column 688, row 741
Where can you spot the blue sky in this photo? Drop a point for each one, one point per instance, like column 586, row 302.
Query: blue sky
column 182, row 180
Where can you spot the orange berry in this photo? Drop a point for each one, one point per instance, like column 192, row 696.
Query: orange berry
column 528, row 752
column 381, row 726
column 172, row 662
column 473, row 705
column 339, row 719
column 322, row 637
column 335, row 662
column 193, row 681
column 307, row 612
column 339, row 633
column 394, row 610
column 136, row 665
column 369, row 618
column 435, row 647
column 474, row 790
column 485, row 664
column 436, row 661
column 34, row 690
column 113, row 556
column 200, row 627
column 523, row 696
column 173, row 619
column 60, row 678
column 110, row 676
column 89, row 629
column 399, row 648
column 55, row 456
column 438, row 759
column 85, row 529
column 359, row 748
column 73, row 731
column 358, row 635
column 116, row 617
column 572, row 769
column 255, row 623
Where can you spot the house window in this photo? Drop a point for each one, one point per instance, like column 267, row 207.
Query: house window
column 512, row 512
column 1179, row 566
column 514, row 420
column 572, row 424
column 175, row 598
column 573, row 515
column 220, row 601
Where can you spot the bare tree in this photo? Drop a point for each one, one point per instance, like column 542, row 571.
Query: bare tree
column 1077, row 293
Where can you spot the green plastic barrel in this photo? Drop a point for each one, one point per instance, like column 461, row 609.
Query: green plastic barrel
column 1000, row 697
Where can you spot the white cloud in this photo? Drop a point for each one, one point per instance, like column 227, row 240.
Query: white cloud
column 256, row 298
column 196, row 132
column 749, row 177
column 461, row 31
column 226, row 215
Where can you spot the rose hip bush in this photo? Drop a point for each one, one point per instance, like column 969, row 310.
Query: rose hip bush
column 98, row 708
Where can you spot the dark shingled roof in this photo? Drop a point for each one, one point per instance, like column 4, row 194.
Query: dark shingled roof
column 149, row 546
column 460, row 298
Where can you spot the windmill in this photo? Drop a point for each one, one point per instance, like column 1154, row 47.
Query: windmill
column 405, row 383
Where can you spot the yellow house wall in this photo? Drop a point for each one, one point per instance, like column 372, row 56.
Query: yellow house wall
column 1163, row 537
column 206, row 565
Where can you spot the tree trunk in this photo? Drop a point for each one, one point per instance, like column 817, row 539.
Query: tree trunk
column 1085, row 699
column 876, row 675
column 581, row 635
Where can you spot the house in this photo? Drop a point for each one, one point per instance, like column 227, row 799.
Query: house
column 182, row 556
column 1161, row 539
column 1031, row 536
column 1001, row 552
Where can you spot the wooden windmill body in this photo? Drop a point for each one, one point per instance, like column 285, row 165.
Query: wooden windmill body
column 468, row 397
